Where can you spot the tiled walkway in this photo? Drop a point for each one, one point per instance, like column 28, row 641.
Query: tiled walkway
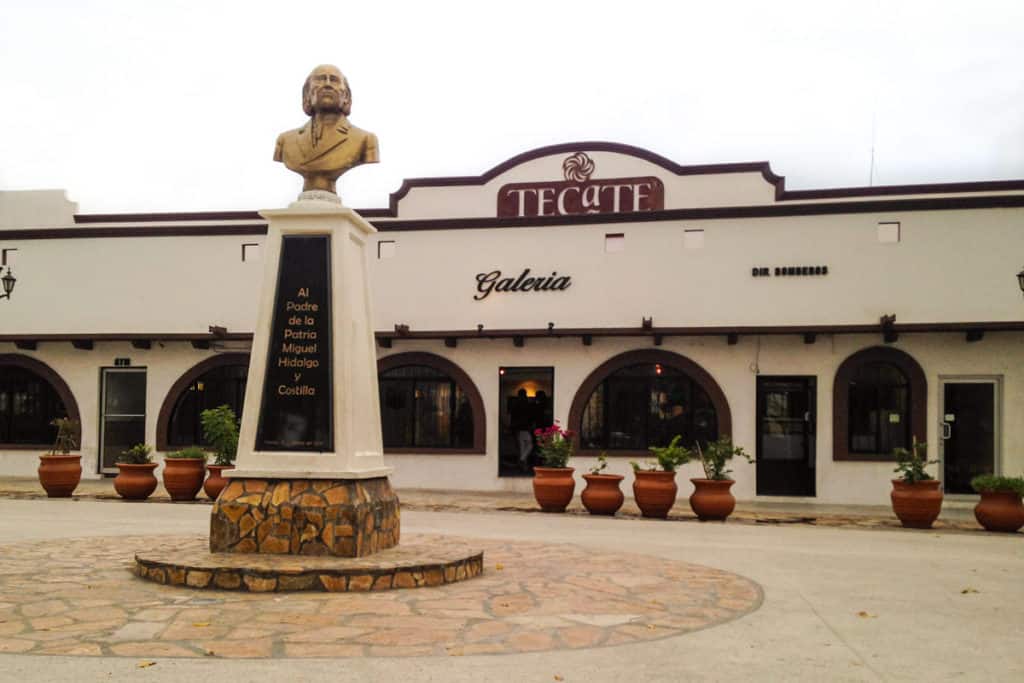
column 78, row 597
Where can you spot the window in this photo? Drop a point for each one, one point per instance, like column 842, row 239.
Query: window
column 879, row 416
column 879, row 403
column 614, row 242
column 224, row 385
column 422, row 407
column 693, row 239
column 646, row 405
column 27, row 405
column 386, row 249
column 888, row 233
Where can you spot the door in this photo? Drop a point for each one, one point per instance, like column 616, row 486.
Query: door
column 785, row 436
column 123, row 413
column 526, row 397
column 969, row 432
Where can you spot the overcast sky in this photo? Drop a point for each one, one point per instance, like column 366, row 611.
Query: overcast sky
column 175, row 106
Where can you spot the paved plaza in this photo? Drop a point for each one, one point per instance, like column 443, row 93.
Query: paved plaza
column 562, row 598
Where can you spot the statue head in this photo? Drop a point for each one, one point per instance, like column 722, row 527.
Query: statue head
column 326, row 88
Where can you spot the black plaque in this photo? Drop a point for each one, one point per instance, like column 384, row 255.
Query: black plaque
column 296, row 413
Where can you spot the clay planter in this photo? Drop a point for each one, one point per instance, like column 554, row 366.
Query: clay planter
column 712, row 500
column 135, row 481
column 216, row 482
column 183, row 477
column 1000, row 511
column 655, row 492
column 553, row 487
column 602, row 495
column 917, row 504
column 60, row 474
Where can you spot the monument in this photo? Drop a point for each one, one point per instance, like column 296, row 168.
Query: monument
column 310, row 498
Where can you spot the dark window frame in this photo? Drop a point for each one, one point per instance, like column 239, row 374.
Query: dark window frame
column 460, row 378
column 917, row 400
column 56, row 384
column 197, row 437
column 692, row 370
column 181, row 385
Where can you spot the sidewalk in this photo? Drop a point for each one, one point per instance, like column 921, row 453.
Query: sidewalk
column 956, row 515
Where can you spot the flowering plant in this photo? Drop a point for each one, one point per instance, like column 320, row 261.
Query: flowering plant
column 555, row 445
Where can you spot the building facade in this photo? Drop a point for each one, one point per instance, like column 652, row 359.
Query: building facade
column 601, row 285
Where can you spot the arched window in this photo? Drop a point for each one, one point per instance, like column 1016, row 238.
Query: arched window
column 31, row 396
column 879, row 404
column 214, row 382
column 427, row 404
column 645, row 398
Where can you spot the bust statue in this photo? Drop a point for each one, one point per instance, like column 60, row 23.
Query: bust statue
column 327, row 145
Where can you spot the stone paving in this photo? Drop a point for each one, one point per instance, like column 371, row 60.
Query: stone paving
column 79, row 597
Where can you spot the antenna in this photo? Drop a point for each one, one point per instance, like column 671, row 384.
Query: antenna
column 871, row 172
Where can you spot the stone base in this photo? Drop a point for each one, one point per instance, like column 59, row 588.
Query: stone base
column 418, row 564
column 343, row 518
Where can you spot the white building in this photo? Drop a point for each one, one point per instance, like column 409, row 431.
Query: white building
column 630, row 297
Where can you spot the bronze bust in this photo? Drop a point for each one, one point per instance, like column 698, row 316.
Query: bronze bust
column 327, row 145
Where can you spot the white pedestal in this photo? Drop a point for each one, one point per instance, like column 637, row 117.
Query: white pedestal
column 357, row 445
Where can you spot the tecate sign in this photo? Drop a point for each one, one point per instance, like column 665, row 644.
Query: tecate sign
column 579, row 195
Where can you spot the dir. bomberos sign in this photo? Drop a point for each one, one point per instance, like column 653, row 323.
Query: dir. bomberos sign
column 579, row 195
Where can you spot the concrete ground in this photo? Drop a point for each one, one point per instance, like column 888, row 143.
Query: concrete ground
column 839, row 603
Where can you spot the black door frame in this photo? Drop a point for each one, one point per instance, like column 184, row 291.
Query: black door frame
column 996, row 381
column 810, row 383
column 501, row 428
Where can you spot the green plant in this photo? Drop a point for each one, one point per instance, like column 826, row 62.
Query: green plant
column 220, row 430
column 667, row 458
column 136, row 455
column 911, row 463
column 990, row 483
column 67, row 439
column 715, row 456
column 192, row 453
column 555, row 445
column 602, row 464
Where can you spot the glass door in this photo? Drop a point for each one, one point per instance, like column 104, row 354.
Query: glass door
column 786, row 436
column 123, row 413
column 526, row 403
column 969, row 432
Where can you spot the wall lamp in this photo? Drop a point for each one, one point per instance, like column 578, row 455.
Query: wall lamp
column 8, row 283
column 1020, row 280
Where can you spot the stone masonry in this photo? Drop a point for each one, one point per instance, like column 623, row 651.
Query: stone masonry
column 343, row 518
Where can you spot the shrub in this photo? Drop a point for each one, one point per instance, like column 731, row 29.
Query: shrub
column 911, row 463
column 990, row 483
column 555, row 445
column 66, row 440
column 136, row 455
column 716, row 455
column 220, row 429
column 192, row 452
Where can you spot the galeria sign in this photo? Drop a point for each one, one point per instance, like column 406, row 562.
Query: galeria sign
column 579, row 195
column 494, row 282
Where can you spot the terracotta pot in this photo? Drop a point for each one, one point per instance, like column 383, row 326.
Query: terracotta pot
column 1000, row 511
column 60, row 474
column 553, row 487
column 183, row 477
column 655, row 493
column 216, row 482
column 602, row 495
column 135, row 481
column 712, row 500
column 917, row 504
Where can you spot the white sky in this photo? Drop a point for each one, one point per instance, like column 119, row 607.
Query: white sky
column 175, row 106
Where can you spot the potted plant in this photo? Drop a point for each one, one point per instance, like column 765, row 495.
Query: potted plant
column 60, row 470
column 711, row 498
column 553, row 484
column 1000, row 508
column 220, row 430
column 135, row 480
column 602, row 495
column 916, row 498
column 654, row 483
column 183, row 472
